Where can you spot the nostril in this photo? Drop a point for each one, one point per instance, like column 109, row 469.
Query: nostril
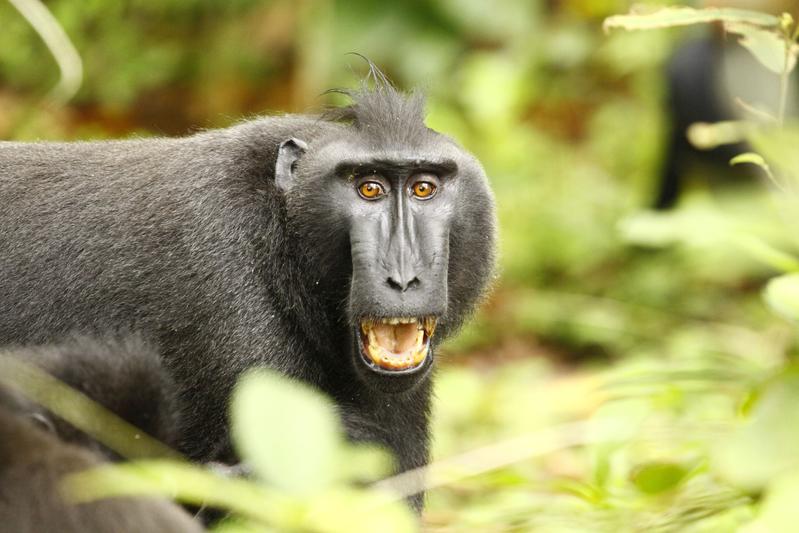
column 402, row 285
column 393, row 284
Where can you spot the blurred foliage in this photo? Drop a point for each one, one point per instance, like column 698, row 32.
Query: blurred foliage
column 290, row 490
column 602, row 312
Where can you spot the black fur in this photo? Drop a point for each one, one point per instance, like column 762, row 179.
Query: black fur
column 192, row 243
column 123, row 374
column 705, row 76
column 37, row 448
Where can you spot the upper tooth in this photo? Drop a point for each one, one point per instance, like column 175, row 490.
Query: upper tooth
column 399, row 320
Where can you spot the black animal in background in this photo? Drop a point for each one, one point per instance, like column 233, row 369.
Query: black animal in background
column 705, row 76
column 337, row 249
column 37, row 448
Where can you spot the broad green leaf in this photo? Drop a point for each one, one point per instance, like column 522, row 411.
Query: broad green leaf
column 768, row 47
column 782, row 294
column 365, row 463
column 669, row 17
column 287, row 431
column 657, row 477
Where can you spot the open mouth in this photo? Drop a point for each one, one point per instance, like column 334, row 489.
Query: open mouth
column 396, row 344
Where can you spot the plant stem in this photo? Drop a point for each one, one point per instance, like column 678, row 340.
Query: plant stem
column 784, row 79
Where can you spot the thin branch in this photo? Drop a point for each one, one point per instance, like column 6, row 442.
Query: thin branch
column 59, row 44
column 784, row 79
column 759, row 113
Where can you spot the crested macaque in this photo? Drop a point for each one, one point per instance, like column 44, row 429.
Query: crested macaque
column 38, row 448
column 710, row 79
column 339, row 249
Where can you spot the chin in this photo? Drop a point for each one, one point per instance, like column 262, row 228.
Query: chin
column 394, row 354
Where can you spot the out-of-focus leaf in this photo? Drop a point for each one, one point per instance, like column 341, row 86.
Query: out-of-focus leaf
column 778, row 147
column 693, row 226
column 183, row 482
column 365, row 463
column 685, row 16
column 779, row 513
column 358, row 512
column 768, row 47
column 750, row 157
column 764, row 446
column 782, row 294
column 767, row 254
column 288, row 432
column 657, row 477
column 706, row 136
column 757, row 159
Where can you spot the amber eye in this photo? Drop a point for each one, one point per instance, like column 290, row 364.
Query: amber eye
column 371, row 190
column 423, row 189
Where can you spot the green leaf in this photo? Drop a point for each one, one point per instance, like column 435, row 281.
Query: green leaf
column 766, row 253
column 778, row 146
column 365, row 463
column 657, row 477
column 768, row 47
column 779, row 511
column 685, row 16
column 764, row 445
column 750, row 157
column 358, row 511
column 182, row 482
column 706, row 136
column 288, row 432
column 782, row 294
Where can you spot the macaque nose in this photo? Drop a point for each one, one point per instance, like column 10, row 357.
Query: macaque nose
column 402, row 283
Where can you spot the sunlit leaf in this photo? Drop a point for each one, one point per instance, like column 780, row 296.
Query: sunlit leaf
column 183, row 482
column 685, row 16
column 782, row 294
column 657, row 477
column 768, row 47
column 358, row 512
column 750, row 157
column 766, row 253
column 779, row 513
column 706, row 136
column 365, row 463
column 764, row 446
column 288, row 432
column 778, row 147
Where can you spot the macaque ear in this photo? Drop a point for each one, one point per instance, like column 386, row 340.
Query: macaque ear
column 287, row 155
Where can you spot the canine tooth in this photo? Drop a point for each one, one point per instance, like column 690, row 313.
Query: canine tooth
column 430, row 325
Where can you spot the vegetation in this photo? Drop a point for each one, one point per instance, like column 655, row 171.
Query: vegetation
column 633, row 371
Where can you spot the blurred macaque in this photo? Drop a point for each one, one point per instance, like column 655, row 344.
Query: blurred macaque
column 711, row 78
